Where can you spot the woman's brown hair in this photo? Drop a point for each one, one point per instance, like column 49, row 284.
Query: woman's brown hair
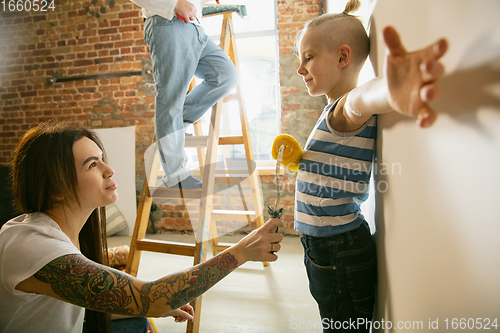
column 43, row 174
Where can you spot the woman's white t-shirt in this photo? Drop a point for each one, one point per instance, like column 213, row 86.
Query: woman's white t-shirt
column 27, row 243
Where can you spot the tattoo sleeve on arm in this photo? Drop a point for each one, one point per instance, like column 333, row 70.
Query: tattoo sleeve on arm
column 85, row 283
column 182, row 288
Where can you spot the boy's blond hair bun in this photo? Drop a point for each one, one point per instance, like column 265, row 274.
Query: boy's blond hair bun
column 352, row 6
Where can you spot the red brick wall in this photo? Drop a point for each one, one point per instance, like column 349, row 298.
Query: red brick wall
column 82, row 38
column 76, row 39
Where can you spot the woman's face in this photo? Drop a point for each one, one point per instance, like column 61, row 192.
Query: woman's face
column 96, row 187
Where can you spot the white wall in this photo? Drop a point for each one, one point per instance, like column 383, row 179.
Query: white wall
column 438, row 223
column 119, row 144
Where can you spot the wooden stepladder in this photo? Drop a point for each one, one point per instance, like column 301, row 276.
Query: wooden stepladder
column 211, row 174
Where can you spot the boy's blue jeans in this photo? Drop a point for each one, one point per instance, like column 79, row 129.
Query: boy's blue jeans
column 342, row 272
column 178, row 52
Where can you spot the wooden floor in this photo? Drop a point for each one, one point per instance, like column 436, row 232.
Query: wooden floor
column 253, row 299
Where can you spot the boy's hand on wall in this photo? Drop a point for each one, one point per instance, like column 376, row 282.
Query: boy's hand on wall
column 411, row 76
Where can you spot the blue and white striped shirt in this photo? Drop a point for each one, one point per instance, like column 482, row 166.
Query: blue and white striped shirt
column 333, row 178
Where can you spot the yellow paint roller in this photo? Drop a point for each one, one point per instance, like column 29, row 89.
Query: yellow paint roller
column 291, row 153
column 287, row 151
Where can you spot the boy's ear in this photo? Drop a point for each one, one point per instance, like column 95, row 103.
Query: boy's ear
column 344, row 55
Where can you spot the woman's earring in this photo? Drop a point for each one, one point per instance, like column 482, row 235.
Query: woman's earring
column 58, row 197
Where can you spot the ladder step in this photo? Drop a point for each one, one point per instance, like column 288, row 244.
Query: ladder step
column 231, row 97
column 219, row 180
column 196, row 141
column 163, row 192
column 222, row 246
column 200, row 141
column 153, row 245
column 233, row 215
column 225, row 180
column 231, row 140
column 226, row 172
column 222, row 179
column 221, row 173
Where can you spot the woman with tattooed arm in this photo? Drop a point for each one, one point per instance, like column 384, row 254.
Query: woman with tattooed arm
column 53, row 273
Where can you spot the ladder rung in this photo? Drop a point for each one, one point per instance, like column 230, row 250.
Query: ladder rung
column 231, row 140
column 220, row 179
column 196, row 141
column 223, row 179
column 222, row 246
column 199, row 141
column 234, row 179
column 163, row 192
column 233, row 215
column 231, row 97
column 154, row 245
column 225, row 172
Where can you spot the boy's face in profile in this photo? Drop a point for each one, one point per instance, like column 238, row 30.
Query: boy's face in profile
column 318, row 64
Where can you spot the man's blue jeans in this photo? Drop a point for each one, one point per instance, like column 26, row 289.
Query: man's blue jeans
column 180, row 51
column 342, row 272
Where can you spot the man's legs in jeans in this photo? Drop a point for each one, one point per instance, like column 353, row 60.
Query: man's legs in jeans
column 342, row 274
column 179, row 51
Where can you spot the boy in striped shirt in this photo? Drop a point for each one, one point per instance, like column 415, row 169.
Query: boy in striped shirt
column 335, row 169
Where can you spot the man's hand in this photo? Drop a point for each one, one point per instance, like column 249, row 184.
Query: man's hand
column 411, row 76
column 186, row 10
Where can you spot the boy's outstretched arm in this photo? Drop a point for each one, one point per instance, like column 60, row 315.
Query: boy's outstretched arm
column 407, row 86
